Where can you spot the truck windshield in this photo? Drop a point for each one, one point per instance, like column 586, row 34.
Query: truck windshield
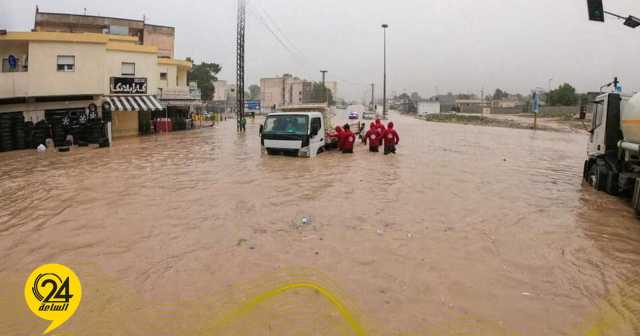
column 287, row 124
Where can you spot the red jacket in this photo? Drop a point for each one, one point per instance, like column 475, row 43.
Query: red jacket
column 347, row 140
column 391, row 137
column 374, row 137
column 339, row 136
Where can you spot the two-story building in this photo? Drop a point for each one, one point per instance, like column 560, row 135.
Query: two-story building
column 48, row 73
column 68, row 72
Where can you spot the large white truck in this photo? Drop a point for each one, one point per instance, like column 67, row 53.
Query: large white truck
column 295, row 131
column 613, row 162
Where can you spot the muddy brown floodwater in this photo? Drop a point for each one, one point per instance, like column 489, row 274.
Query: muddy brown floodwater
column 467, row 230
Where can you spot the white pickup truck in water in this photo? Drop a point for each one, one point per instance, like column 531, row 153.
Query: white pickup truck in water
column 296, row 133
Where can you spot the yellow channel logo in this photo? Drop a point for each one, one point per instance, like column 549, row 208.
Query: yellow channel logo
column 53, row 293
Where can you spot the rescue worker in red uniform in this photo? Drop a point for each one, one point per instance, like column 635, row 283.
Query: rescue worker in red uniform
column 338, row 135
column 391, row 139
column 374, row 137
column 379, row 124
column 348, row 139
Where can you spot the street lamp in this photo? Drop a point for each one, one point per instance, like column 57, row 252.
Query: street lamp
column 384, row 85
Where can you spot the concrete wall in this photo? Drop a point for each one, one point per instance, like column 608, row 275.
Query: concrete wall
column 172, row 76
column 161, row 37
column 46, row 80
column 146, row 66
column 271, row 92
column 220, row 88
column 181, row 77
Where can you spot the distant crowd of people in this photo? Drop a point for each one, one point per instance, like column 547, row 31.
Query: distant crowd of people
column 377, row 135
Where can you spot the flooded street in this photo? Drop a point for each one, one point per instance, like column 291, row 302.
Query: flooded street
column 467, row 230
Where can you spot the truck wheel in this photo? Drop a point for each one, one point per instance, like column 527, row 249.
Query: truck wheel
column 585, row 171
column 636, row 197
column 598, row 175
column 612, row 184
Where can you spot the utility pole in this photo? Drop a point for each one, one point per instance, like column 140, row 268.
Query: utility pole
column 324, row 88
column 384, row 85
column 242, row 5
column 373, row 101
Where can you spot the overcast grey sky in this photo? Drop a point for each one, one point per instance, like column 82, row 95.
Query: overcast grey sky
column 454, row 45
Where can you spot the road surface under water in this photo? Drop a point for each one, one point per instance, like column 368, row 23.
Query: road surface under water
column 467, row 230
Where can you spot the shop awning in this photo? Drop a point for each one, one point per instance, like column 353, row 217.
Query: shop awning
column 134, row 103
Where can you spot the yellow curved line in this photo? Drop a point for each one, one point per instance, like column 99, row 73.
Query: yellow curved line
column 342, row 309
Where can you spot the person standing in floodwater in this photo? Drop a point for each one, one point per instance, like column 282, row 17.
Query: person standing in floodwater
column 348, row 139
column 391, row 139
column 374, row 137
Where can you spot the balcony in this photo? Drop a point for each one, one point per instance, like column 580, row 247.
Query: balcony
column 14, row 84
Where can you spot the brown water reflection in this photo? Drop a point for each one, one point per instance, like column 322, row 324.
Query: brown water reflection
column 467, row 228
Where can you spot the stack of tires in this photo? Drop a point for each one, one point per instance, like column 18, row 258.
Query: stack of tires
column 59, row 133
column 41, row 131
column 28, row 135
column 94, row 132
column 6, row 137
column 18, row 131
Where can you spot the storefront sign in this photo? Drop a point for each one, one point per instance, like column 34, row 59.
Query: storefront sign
column 128, row 85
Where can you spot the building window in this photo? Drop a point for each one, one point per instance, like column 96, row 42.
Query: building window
column 128, row 69
column 163, row 76
column 66, row 63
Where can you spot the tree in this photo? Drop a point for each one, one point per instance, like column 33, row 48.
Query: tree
column 404, row 96
column 499, row 95
column 254, row 92
column 416, row 97
column 318, row 92
column 564, row 95
column 204, row 74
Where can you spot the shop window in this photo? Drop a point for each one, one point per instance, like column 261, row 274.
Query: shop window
column 163, row 76
column 66, row 63
column 128, row 69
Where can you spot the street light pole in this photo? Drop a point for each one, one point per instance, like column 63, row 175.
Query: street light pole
column 549, row 91
column 384, row 85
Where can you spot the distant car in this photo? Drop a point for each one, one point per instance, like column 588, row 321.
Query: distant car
column 354, row 115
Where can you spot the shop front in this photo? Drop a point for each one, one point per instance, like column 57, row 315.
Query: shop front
column 132, row 108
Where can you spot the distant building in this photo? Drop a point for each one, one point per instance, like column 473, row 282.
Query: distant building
column 288, row 90
column 469, row 105
column 224, row 91
column 447, row 102
column 428, row 107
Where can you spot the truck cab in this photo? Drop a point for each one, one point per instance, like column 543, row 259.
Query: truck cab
column 296, row 133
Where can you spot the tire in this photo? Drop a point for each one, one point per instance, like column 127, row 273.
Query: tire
column 585, row 171
column 598, row 176
column 611, row 186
